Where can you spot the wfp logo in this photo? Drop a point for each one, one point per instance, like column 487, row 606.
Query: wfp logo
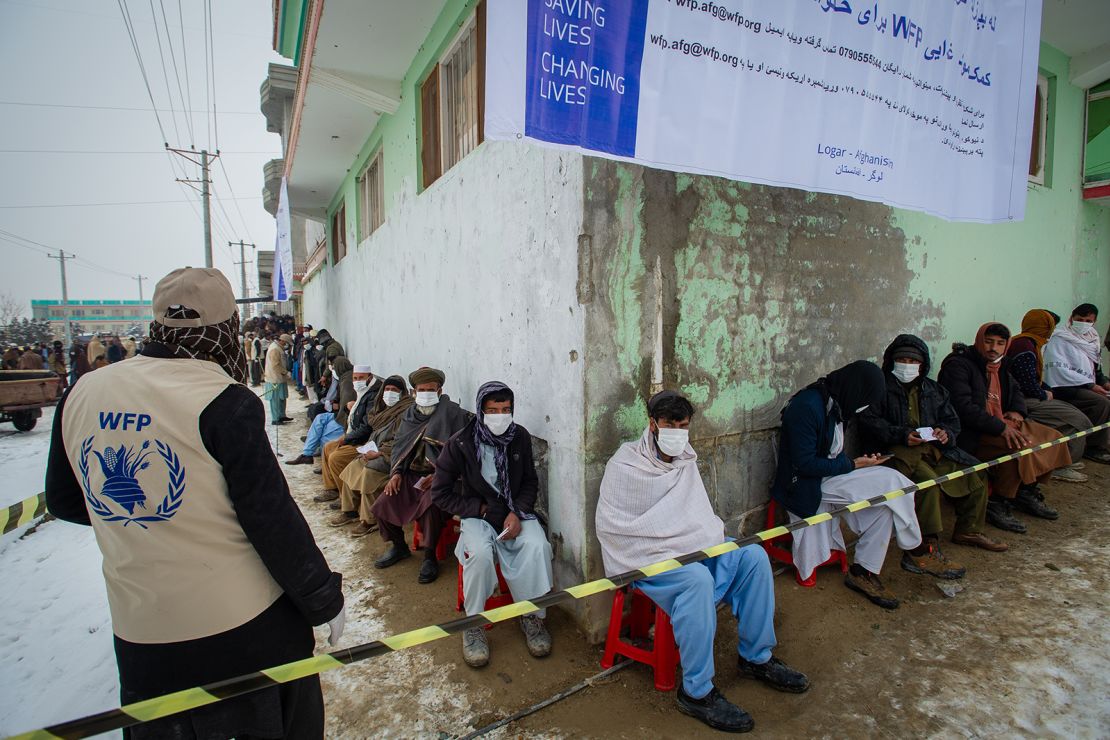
column 122, row 467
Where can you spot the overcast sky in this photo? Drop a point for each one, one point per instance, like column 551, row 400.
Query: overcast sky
column 78, row 53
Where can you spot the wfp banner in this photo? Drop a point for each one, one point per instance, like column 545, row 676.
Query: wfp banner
column 920, row 105
column 283, row 249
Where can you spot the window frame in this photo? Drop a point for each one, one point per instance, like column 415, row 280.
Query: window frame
column 371, row 209
column 1038, row 153
column 339, row 233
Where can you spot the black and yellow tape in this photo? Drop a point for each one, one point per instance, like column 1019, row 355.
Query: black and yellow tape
column 24, row 512
column 199, row 696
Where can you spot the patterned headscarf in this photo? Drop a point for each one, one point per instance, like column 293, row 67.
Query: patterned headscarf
column 499, row 443
column 218, row 343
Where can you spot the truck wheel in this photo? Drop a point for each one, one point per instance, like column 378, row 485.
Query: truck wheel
column 24, row 421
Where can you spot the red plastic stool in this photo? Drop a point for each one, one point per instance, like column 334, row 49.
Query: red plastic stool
column 662, row 656
column 503, row 597
column 781, row 554
column 448, row 536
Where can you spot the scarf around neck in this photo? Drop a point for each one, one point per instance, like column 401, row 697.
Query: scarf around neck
column 218, row 343
column 1037, row 326
column 498, row 443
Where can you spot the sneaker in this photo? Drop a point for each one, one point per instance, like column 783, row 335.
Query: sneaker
column 343, row 518
column 475, row 647
column 776, row 674
column 716, row 711
column 978, row 539
column 933, row 563
column 1099, row 456
column 1001, row 514
column 1068, row 475
column 362, row 529
column 392, row 556
column 536, row 636
column 429, row 571
column 1031, row 501
column 300, row 460
column 326, row 496
column 868, row 584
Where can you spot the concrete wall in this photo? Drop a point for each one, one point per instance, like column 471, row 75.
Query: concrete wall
column 482, row 287
column 739, row 295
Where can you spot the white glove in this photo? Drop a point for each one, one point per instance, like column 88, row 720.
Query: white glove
column 336, row 626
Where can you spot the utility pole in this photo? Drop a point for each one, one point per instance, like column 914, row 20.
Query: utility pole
column 140, row 278
column 242, row 266
column 205, row 161
column 62, row 257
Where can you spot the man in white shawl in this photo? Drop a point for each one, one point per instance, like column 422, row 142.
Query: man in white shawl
column 1072, row 369
column 654, row 507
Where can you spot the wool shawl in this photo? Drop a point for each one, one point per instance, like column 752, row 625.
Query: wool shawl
column 650, row 510
column 1069, row 359
column 436, row 429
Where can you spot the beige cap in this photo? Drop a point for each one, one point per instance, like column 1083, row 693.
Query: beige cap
column 285, row 338
column 202, row 289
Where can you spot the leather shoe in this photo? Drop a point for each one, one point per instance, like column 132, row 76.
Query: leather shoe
column 978, row 539
column 871, row 587
column 1031, row 501
column 1001, row 514
column 429, row 571
column 300, row 460
column 395, row 554
column 776, row 674
column 716, row 711
column 329, row 495
column 286, row 418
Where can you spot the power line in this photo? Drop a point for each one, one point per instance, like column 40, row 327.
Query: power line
column 231, row 190
column 113, row 203
column 142, row 68
column 173, row 58
column 8, row 236
column 185, row 61
column 207, row 96
column 212, row 47
column 123, row 108
column 165, row 75
column 96, row 151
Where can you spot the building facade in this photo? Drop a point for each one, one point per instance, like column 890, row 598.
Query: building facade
column 587, row 284
column 95, row 317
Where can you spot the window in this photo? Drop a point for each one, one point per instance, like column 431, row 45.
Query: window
column 339, row 234
column 97, row 312
column 371, row 205
column 452, row 101
column 1040, row 133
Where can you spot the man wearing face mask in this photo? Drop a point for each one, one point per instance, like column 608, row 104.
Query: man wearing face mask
column 330, row 425
column 486, row 476
column 993, row 423
column 365, row 476
column 424, row 430
column 653, row 506
column 815, row 475
column 339, row 452
column 327, row 350
column 917, row 425
column 1072, row 368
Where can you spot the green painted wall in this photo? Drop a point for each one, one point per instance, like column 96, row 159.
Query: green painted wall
column 762, row 290
column 397, row 135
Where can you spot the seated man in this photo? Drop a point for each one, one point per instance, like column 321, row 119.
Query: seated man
column 815, row 475
column 1072, row 368
column 330, row 424
column 1027, row 367
column 992, row 423
column 485, row 475
column 653, row 506
column 423, row 431
column 340, row 451
column 366, row 475
column 914, row 403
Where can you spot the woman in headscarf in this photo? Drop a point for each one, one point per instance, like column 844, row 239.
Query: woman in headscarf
column 1026, row 361
column 365, row 476
column 815, row 475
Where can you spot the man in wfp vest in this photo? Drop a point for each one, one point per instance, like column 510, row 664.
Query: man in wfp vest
column 211, row 570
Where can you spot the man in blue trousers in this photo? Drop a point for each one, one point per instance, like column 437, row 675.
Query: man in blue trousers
column 654, row 507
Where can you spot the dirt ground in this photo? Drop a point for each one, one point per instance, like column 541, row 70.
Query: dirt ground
column 1022, row 650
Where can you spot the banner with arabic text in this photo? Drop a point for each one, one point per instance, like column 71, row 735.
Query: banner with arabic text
column 921, row 105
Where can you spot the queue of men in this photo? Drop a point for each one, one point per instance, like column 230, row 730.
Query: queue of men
column 395, row 452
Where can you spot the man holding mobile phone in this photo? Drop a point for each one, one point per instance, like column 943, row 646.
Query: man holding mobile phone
column 486, row 476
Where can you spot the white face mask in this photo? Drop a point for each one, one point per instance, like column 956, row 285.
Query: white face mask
column 391, row 397
column 427, row 398
column 1082, row 328
column 334, row 374
column 906, row 371
column 319, row 347
column 498, row 423
column 672, row 442
column 360, row 385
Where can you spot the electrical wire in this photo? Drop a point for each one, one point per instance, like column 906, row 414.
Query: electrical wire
column 212, row 52
column 123, row 107
column 142, row 68
column 111, row 203
column 207, row 95
column 93, row 151
column 165, row 74
column 242, row 220
column 184, row 61
column 176, row 73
